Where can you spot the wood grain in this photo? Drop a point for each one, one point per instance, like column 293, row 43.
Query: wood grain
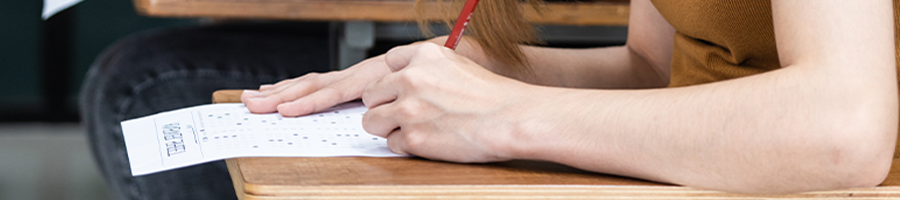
column 414, row 178
column 343, row 171
column 555, row 192
column 236, row 179
column 609, row 12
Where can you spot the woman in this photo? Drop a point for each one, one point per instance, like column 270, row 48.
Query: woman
column 762, row 97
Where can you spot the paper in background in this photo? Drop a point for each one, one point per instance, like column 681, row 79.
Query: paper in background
column 52, row 7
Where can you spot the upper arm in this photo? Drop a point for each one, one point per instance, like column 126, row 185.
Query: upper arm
column 845, row 49
column 650, row 36
column 844, row 33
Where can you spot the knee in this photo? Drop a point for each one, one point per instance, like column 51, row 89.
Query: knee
column 134, row 55
column 244, row 48
column 256, row 52
column 126, row 64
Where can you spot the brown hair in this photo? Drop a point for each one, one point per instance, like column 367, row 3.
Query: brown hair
column 497, row 25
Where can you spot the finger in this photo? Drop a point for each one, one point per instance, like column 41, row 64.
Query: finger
column 400, row 57
column 280, row 85
column 342, row 91
column 289, row 84
column 380, row 120
column 267, row 103
column 397, row 141
column 317, row 101
column 247, row 94
column 266, row 87
column 263, row 91
column 381, row 92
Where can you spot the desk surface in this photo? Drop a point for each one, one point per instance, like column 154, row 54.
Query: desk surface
column 599, row 12
column 391, row 178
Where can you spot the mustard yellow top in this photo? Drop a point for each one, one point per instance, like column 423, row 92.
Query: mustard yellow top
column 721, row 40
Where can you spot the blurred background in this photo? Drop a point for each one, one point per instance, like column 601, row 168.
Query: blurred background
column 44, row 61
column 43, row 151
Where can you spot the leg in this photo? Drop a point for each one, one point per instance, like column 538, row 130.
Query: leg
column 164, row 70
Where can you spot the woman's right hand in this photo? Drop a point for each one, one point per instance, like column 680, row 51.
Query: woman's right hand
column 315, row 92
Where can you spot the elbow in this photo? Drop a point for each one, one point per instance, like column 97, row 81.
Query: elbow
column 858, row 152
column 861, row 173
column 822, row 166
column 868, row 178
column 855, row 136
column 828, row 136
column 833, row 152
column 861, row 164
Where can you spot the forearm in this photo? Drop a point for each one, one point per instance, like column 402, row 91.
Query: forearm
column 609, row 68
column 784, row 131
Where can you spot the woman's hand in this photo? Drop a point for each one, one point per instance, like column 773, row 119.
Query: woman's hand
column 440, row 105
column 315, row 92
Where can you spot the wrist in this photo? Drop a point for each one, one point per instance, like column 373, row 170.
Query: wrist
column 526, row 132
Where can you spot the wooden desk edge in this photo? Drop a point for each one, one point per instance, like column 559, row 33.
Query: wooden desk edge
column 541, row 191
column 247, row 191
column 237, row 177
column 613, row 13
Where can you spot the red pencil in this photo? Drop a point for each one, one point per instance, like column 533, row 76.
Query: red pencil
column 461, row 23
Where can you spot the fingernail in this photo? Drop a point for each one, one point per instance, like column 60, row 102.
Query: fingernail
column 252, row 93
column 281, row 108
column 255, row 98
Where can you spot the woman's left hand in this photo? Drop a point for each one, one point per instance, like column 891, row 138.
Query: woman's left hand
column 440, row 105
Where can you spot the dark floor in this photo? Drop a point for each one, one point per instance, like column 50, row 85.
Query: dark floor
column 47, row 161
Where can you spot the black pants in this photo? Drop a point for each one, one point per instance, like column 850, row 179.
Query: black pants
column 163, row 70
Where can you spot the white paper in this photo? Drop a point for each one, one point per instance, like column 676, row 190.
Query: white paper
column 213, row 132
column 52, row 7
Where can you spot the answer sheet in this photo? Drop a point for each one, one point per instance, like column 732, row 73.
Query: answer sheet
column 52, row 7
column 213, row 132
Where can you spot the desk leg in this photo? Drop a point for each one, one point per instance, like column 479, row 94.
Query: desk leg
column 356, row 38
column 236, row 177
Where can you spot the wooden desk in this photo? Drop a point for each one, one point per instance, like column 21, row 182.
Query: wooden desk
column 603, row 12
column 412, row 178
column 353, row 48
